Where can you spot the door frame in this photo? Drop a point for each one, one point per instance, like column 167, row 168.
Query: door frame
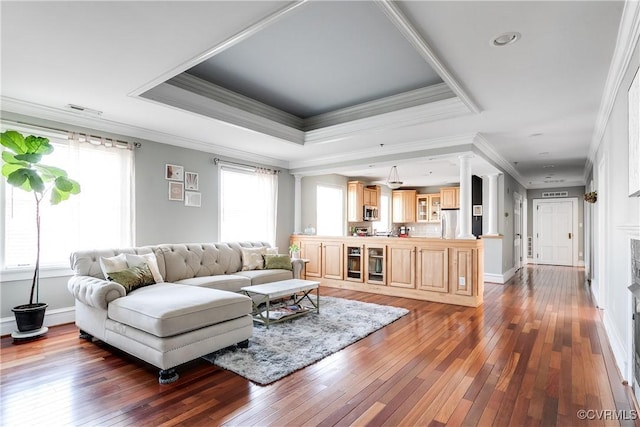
column 574, row 225
column 518, row 262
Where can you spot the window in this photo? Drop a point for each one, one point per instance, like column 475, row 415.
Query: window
column 383, row 224
column 330, row 211
column 100, row 216
column 248, row 200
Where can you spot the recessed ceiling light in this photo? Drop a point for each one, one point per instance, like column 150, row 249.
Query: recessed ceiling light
column 548, row 166
column 544, row 153
column 533, row 135
column 506, row 38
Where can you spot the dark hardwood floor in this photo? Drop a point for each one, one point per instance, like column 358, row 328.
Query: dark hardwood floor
column 534, row 354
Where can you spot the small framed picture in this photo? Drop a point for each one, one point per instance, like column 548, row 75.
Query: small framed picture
column 191, row 181
column 477, row 210
column 176, row 191
column 173, row 173
column 192, row 198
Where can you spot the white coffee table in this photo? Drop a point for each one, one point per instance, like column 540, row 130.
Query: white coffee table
column 293, row 290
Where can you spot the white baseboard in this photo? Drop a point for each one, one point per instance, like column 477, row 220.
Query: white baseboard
column 617, row 347
column 581, row 263
column 55, row 317
column 499, row 278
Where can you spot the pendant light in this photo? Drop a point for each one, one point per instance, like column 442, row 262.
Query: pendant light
column 393, row 181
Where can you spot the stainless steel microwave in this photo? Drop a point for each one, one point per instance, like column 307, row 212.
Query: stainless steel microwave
column 370, row 213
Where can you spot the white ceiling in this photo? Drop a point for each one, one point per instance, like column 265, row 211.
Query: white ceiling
column 538, row 98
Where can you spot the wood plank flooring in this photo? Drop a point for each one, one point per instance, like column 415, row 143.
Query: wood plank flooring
column 534, row 354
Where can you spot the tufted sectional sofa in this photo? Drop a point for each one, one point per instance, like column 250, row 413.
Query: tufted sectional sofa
column 197, row 310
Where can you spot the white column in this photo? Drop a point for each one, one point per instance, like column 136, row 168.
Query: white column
column 297, row 205
column 492, row 209
column 465, row 198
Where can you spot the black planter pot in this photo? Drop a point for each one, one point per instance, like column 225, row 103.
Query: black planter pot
column 29, row 317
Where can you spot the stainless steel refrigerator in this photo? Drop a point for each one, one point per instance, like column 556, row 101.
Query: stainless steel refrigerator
column 449, row 223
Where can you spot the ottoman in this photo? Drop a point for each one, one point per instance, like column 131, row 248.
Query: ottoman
column 167, row 324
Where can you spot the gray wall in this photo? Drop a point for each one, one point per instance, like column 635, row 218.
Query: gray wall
column 573, row 192
column 157, row 220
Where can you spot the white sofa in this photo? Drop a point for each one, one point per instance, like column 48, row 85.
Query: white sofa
column 197, row 310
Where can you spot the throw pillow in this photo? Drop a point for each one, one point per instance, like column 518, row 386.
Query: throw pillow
column 272, row 251
column 150, row 260
column 282, row 262
column 252, row 258
column 133, row 277
column 115, row 263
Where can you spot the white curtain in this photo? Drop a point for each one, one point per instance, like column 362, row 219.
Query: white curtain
column 248, row 204
column 100, row 216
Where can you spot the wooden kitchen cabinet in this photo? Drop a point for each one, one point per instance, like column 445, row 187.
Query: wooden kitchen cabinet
column 312, row 250
column 371, row 195
column 376, row 264
column 463, row 271
column 428, row 207
column 401, row 266
column 433, row 269
column 403, row 206
column 355, row 201
column 354, row 263
column 450, row 197
column 332, row 260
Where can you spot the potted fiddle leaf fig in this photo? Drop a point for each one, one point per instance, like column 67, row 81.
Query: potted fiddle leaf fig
column 21, row 168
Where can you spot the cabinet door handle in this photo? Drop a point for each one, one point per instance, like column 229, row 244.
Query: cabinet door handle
column 569, row 235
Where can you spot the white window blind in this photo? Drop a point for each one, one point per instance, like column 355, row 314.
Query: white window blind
column 99, row 217
column 248, row 201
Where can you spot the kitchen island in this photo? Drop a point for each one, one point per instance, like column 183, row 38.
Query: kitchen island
column 442, row 270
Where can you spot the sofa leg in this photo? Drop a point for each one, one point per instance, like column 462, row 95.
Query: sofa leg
column 85, row 336
column 168, row 376
column 243, row 344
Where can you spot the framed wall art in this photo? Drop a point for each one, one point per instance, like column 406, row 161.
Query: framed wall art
column 173, row 172
column 193, row 199
column 634, row 136
column 176, row 191
column 191, row 181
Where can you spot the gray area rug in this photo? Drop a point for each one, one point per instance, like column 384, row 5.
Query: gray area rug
column 291, row 345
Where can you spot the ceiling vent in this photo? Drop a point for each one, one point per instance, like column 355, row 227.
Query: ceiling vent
column 555, row 194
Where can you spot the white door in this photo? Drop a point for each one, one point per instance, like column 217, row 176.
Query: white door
column 554, row 232
column 517, row 230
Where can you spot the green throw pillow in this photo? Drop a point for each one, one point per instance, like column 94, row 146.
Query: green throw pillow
column 133, row 277
column 282, row 262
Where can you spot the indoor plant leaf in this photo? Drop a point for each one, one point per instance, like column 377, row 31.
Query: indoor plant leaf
column 9, row 157
column 29, row 157
column 9, row 168
column 37, row 145
column 14, row 141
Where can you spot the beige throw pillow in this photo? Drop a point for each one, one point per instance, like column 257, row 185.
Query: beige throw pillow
column 252, row 258
column 150, row 260
column 110, row 264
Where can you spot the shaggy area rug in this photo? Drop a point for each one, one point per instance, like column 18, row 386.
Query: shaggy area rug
column 291, row 345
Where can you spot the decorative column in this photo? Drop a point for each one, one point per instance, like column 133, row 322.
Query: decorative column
column 297, row 205
column 465, row 198
column 492, row 209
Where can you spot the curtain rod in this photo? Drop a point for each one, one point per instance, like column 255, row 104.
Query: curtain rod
column 21, row 123
column 217, row 160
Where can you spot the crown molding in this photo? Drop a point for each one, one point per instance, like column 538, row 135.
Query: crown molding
column 401, row 101
column 75, row 119
column 386, row 154
column 484, row 147
column 628, row 35
column 439, row 110
column 395, row 15
column 169, row 95
column 233, row 99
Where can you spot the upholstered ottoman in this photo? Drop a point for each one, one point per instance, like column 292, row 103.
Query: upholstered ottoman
column 167, row 324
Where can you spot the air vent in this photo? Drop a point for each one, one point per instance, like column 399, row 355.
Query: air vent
column 555, row 194
column 529, row 246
